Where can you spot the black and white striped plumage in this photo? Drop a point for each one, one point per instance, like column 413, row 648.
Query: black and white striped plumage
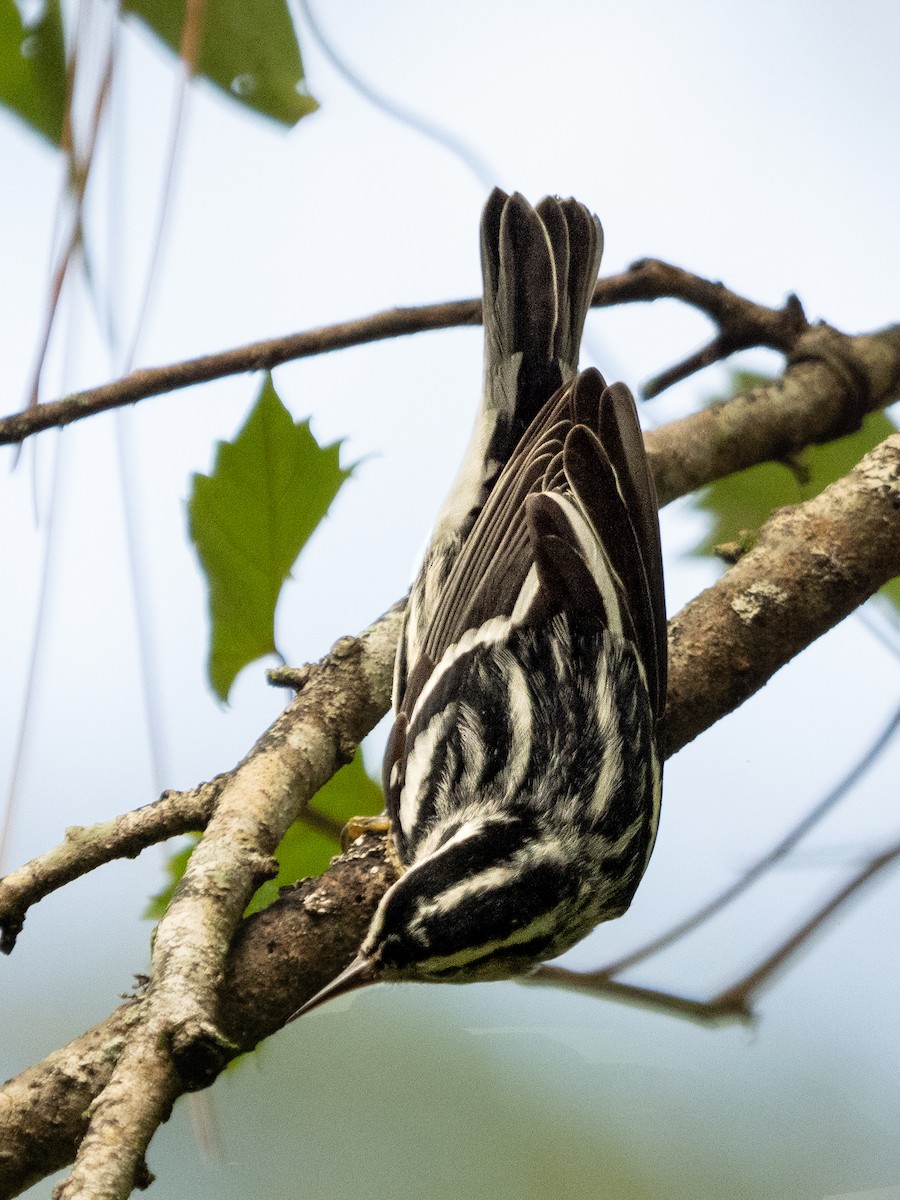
column 522, row 775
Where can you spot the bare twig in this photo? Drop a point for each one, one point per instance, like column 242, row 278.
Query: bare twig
column 742, row 324
column 763, row 864
column 742, row 993
column 734, row 1003
column 87, row 847
column 258, row 356
column 79, row 170
column 705, row 1012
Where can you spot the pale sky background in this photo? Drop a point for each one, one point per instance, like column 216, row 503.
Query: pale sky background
column 752, row 142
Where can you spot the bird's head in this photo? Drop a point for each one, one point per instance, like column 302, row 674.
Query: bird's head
column 486, row 899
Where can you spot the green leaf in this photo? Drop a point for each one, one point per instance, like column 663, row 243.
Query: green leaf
column 249, row 520
column 33, row 68
column 303, row 852
column 740, row 504
column 248, row 49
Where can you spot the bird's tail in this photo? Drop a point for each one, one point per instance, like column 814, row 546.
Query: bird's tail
column 539, row 267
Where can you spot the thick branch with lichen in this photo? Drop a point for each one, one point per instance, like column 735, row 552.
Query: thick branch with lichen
column 812, row 564
column 179, row 1040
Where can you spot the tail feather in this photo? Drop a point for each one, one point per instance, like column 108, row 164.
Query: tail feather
column 539, row 267
column 585, row 249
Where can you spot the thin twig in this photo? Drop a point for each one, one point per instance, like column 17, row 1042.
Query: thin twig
column 87, row 847
column 732, row 1003
column 429, row 129
column 764, row 864
column 706, row 1012
column 258, row 356
column 78, row 176
column 743, row 992
column 741, row 323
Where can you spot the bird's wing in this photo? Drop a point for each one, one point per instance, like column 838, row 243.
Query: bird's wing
column 570, row 526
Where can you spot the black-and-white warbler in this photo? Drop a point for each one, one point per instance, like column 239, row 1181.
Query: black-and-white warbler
column 522, row 774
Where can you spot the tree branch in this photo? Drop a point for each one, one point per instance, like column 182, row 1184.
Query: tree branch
column 258, row 356
column 87, row 847
column 812, row 565
column 741, row 324
column 830, row 383
column 286, row 951
column 179, row 1044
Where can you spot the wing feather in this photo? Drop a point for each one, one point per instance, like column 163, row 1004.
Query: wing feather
column 584, row 489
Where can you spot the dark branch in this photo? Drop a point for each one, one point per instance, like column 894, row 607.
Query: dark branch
column 741, row 323
column 258, row 356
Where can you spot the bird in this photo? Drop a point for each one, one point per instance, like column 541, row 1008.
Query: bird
column 522, row 773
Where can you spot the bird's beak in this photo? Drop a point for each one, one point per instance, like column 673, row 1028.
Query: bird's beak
column 360, row 972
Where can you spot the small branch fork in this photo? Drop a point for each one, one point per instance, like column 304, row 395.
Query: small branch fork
column 740, row 323
column 219, row 983
column 734, row 1003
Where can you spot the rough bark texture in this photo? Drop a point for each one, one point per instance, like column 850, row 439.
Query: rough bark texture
column 178, row 1044
column 830, row 384
column 280, row 955
column 813, row 564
